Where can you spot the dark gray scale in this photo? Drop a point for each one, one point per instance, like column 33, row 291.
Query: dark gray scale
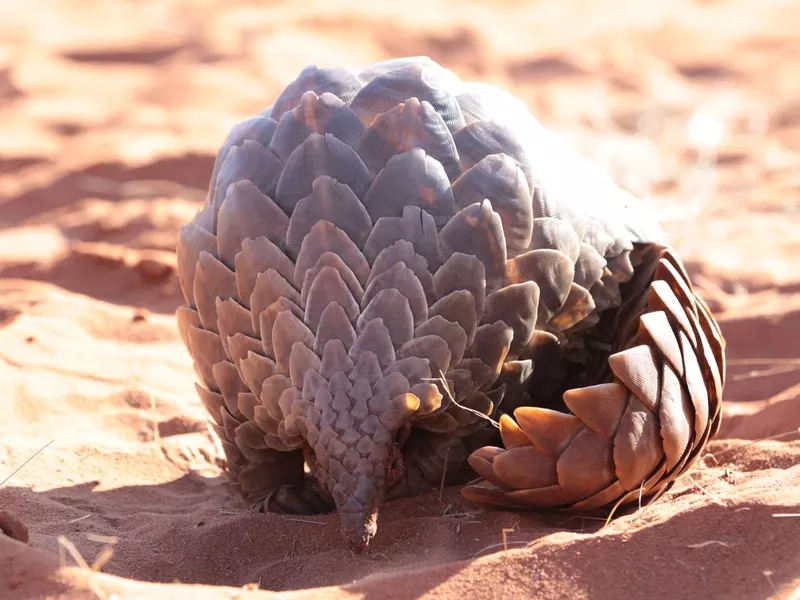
column 211, row 401
column 415, row 226
column 258, row 255
column 315, row 114
column 620, row 266
column 490, row 345
column 471, row 107
column 247, row 213
column 264, row 321
column 393, row 64
column 259, row 129
column 340, row 82
column 589, row 266
column 212, row 280
column 324, row 237
column 233, row 318
column 478, row 230
column 328, row 286
column 403, row 251
column 543, row 205
column 430, row 347
column 482, row 138
column 578, row 305
column 458, row 307
column 192, row 240
column 391, row 307
column 334, row 324
column 240, row 346
column 329, row 259
column 450, row 331
column 555, row 234
column 186, row 317
column 400, row 278
column 207, row 351
column 517, row 306
column 329, row 201
column 500, row 180
column 606, row 292
column 320, row 155
column 598, row 238
column 251, row 161
column 411, row 179
column 420, row 81
column 552, row 271
column 409, row 125
column 463, row 272
column 374, row 339
column 270, row 287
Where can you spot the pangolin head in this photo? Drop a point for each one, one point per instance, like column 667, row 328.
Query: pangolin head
column 353, row 428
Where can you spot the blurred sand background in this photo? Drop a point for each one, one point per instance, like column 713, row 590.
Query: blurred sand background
column 111, row 115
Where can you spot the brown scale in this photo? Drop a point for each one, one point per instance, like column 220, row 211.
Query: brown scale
column 382, row 268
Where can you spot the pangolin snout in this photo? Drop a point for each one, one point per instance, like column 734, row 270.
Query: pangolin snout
column 357, row 496
column 359, row 526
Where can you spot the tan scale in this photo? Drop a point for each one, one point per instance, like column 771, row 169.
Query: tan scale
column 389, row 260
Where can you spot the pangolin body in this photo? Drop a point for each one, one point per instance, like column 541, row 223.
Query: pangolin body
column 390, row 260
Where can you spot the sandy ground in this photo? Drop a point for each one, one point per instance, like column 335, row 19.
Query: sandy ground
column 111, row 116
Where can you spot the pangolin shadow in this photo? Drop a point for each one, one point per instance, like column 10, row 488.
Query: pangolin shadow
column 195, row 530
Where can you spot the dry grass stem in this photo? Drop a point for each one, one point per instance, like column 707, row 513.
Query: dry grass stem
column 84, row 517
column 716, row 499
column 154, row 413
column 506, row 531
column 19, row 468
column 444, row 474
column 305, row 521
column 65, row 545
column 443, row 382
column 500, row 545
column 710, row 543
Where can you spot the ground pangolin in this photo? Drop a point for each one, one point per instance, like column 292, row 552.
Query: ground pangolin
column 388, row 257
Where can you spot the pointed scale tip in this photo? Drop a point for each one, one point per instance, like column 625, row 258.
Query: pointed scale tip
column 549, row 430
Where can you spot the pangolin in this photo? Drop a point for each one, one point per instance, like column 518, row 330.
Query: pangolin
column 400, row 279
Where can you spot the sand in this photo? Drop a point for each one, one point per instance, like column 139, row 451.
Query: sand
column 112, row 113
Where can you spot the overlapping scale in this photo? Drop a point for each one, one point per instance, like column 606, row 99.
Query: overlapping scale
column 329, row 201
column 193, row 240
column 403, row 251
column 319, row 154
column 259, row 129
column 425, row 82
column 315, row 114
column 411, row 179
column 478, row 231
column 415, row 226
column 341, row 83
column 249, row 161
column 499, row 179
column 483, row 138
column 552, row 271
column 247, row 213
column 627, row 437
column 387, row 255
column 407, row 126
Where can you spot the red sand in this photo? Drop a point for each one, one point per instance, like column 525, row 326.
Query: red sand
column 112, row 113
